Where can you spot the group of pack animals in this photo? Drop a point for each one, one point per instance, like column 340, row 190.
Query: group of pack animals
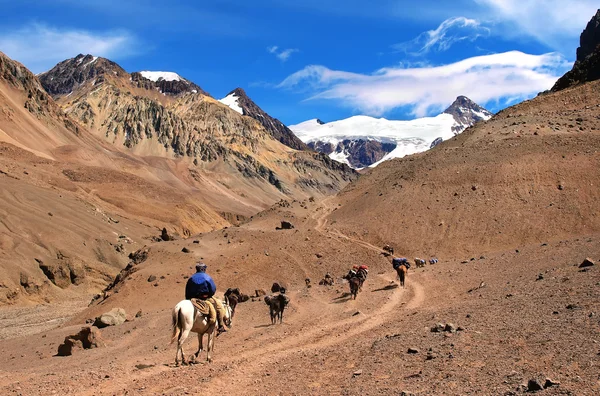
column 186, row 319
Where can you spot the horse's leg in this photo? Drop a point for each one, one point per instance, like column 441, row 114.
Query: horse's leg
column 184, row 335
column 210, row 343
column 199, row 345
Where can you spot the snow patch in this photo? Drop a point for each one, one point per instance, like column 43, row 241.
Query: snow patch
column 157, row 75
column 410, row 137
column 232, row 101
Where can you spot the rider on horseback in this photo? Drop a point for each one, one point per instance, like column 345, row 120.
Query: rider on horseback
column 352, row 273
column 202, row 286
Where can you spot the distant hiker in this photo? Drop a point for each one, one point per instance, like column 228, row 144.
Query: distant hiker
column 201, row 286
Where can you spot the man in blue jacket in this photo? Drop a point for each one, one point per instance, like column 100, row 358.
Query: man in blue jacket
column 202, row 286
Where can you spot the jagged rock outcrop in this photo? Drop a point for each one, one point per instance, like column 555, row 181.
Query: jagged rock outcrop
column 275, row 127
column 72, row 73
column 466, row 113
column 362, row 153
column 587, row 65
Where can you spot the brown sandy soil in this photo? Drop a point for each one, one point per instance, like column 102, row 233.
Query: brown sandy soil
column 515, row 327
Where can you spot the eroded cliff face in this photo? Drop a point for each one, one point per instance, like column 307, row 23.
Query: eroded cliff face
column 587, row 65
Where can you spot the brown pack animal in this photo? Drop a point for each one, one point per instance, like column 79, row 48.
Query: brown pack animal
column 419, row 262
column 402, row 271
column 389, row 250
column 277, row 304
column 355, row 284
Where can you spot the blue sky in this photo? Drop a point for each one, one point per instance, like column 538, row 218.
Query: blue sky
column 317, row 58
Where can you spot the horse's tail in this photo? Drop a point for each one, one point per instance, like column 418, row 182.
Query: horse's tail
column 176, row 321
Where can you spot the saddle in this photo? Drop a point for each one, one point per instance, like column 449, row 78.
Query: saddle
column 204, row 307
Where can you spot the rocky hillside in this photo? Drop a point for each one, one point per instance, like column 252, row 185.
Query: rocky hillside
column 162, row 114
column 527, row 175
column 240, row 102
column 83, row 190
column 587, row 65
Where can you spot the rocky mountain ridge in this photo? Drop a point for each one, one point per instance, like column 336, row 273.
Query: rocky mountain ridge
column 587, row 65
column 240, row 101
column 362, row 141
column 70, row 74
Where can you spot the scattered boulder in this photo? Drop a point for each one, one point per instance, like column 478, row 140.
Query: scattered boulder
column 139, row 256
column 185, row 250
column 534, row 385
column 540, row 277
column 138, row 314
column 275, row 288
column 114, row 317
column 319, row 255
column 437, row 328
column 412, row 351
column 450, row 328
column 286, row 225
column 87, row 338
column 588, row 262
column 260, row 292
column 548, row 383
column 151, row 278
column 357, row 373
column 164, row 235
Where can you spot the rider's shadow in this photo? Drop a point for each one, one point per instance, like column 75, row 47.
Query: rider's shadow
column 342, row 298
column 388, row 287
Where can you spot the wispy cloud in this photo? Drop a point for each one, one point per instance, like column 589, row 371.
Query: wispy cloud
column 448, row 33
column 426, row 90
column 551, row 22
column 282, row 54
column 39, row 47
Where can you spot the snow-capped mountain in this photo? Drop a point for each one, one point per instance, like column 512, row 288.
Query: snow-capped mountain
column 363, row 141
column 73, row 74
column 238, row 100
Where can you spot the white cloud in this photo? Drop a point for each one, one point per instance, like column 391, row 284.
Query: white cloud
column 449, row 32
column 281, row 54
column 552, row 22
column 40, row 47
column 426, row 90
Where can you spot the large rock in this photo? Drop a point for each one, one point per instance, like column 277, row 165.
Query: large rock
column 587, row 65
column 114, row 317
column 588, row 262
column 87, row 338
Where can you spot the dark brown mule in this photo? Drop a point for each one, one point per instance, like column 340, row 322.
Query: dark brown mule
column 355, row 284
column 402, row 272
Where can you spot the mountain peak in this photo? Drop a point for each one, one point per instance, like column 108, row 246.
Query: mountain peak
column 239, row 101
column 587, row 65
column 466, row 113
column 70, row 74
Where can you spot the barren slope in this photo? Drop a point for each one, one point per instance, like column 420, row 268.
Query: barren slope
column 530, row 173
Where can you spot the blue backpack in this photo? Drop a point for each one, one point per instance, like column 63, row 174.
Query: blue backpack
column 398, row 261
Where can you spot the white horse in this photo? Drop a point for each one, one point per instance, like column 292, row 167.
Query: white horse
column 184, row 322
